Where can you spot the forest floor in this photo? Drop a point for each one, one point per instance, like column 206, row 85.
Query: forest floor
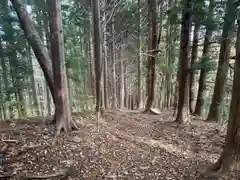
column 122, row 145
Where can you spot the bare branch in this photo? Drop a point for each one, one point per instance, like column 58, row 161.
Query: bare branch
column 63, row 174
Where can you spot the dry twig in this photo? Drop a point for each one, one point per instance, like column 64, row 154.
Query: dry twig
column 63, row 174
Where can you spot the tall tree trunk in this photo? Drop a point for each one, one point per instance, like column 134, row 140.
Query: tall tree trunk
column 193, row 60
column 152, row 15
column 105, row 58
column 91, row 63
column 35, row 41
column 47, row 36
column 223, row 63
column 230, row 157
column 183, row 113
column 174, row 86
column 113, row 58
column 63, row 112
column 169, row 47
column 34, row 91
column 139, row 77
column 122, row 79
column 4, row 81
column 97, row 52
column 205, row 56
column 126, row 93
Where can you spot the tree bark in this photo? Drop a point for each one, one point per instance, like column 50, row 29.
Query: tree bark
column 34, row 91
column 105, row 58
column 97, row 52
column 169, row 60
column 202, row 80
column 122, row 79
column 139, row 77
column 152, row 15
column 4, row 81
column 48, row 44
column 183, row 113
column 63, row 107
column 223, row 63
column 193, row 60
column 113, row 57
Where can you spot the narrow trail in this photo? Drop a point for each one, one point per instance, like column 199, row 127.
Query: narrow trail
column 122, row 145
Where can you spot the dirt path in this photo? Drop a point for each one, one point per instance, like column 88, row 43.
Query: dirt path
column 122, row 145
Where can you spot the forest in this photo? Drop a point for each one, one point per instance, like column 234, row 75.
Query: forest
column 120, row 89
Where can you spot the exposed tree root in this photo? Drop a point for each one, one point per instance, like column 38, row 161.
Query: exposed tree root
column 52, row 121
column 215, row 170
column 74, row 125
column 153, row 111
column 62, row 127
column 210, row 171
column 61, row 174
column 129, row 111
column 27, row 148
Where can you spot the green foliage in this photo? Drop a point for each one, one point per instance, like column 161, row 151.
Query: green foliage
column 173, row 15
column 205, row 63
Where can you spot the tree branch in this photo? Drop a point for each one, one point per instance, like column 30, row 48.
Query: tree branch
column 63, row 174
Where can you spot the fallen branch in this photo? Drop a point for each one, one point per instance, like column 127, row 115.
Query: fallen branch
column 27, row 148
column 4, row 176
column 10, row 141
column 63, row 174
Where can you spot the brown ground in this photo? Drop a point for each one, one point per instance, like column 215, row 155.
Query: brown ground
column 122, row 145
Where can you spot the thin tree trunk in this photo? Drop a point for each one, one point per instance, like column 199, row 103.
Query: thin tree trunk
column 5, row 82
column 113, row 58
column 174, row 86
column 126, row 93
column 47, row 35
column 193, row 60
column 105, row 59
column 139, row 77
column 34, row 91
column 152, row 8
column 97, row 52
column 205, row 56
column 122, row 85
column 168, row 59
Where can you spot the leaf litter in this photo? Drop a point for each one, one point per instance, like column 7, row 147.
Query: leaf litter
column 122, row 145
